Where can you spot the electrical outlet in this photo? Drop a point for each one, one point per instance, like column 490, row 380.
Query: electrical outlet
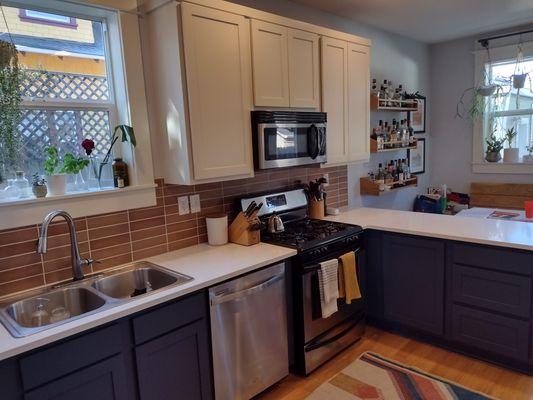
column 326, row 177
column 195, row 203
column 183, row 205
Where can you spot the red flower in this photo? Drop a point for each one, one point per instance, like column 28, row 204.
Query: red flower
column 88, row 145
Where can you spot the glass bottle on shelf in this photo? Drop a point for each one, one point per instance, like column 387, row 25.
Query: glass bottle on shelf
column 394, row 133
column 401, row 175
column 21, row 185
column 406, row 170
column 411, row 133
column 380, row 177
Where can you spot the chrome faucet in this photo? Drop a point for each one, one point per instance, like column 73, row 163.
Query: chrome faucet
column 77, row 262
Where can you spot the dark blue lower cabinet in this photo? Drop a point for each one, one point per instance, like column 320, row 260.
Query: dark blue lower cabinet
column 413, row 282
column 103, row 381
column 176, row 365
column 10, row 384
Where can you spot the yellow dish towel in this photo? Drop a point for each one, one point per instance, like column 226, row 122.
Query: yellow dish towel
column 348, row 282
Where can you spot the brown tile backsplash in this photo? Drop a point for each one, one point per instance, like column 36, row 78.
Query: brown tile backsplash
column 118, row 238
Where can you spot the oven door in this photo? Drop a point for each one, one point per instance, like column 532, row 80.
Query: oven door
column 314, row 324
column 289, row 144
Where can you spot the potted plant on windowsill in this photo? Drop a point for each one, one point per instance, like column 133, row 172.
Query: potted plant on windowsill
column 38, row 186
column 511, row 154
column 56, row 181
column 494, row 148
column 528, row 158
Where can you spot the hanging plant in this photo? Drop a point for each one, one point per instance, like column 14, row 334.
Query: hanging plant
column 481, row 93
column 10, row 99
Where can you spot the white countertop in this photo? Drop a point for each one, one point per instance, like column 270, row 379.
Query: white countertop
column 513, row 234
column 206, row 264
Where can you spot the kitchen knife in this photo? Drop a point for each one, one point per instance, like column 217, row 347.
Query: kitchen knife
column 249, row 210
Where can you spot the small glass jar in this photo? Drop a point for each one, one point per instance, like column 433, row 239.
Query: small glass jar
column 120, row 173
column 22, row 186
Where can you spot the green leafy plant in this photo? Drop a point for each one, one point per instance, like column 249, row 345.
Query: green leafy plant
column 494, row 145
column 127, row 135
column 10, row 99
column 510, row 135
column 72, row 164
column 52, row 161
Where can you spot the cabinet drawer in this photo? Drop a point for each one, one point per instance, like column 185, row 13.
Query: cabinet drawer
column 499, row 335
column 495, row 291
column 493, row 258
column 62, row 359
column 167, row 318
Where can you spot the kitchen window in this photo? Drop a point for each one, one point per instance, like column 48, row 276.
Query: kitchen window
column 508, row 108
column 75, row 82
column 46, row 18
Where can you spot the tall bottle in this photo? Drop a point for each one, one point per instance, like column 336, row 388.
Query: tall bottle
column 380, row 177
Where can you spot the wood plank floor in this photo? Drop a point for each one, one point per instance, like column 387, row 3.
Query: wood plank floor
column 477, row 375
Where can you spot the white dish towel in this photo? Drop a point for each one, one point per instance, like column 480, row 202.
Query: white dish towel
column 328, row 286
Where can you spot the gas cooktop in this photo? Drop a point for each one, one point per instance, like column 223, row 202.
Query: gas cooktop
column 307, row 233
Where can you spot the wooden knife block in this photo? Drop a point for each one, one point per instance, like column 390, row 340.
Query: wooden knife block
column 240, row 233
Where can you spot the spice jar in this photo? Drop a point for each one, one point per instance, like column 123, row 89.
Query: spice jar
column 120, row 173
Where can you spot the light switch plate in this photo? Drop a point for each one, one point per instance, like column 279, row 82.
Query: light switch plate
column 183, row 205
column 195, row 203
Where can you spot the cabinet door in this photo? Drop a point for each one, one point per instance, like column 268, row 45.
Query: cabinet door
column 413, row 282
column 335, row 97
column 358, row 102
column 270, row 64
column 303, row 69
column 176, row 365
column 102, row 381
column 217, row 63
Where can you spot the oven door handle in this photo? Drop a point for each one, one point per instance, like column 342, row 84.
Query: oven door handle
column 316, row 267
column 321, row 343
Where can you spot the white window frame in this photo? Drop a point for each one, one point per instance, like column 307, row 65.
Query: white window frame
column 126, row 76
column 479, row 165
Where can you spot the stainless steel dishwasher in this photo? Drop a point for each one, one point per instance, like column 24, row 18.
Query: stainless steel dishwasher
column 249, row 333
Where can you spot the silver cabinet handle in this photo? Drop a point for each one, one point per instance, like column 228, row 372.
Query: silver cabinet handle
column 246, row 292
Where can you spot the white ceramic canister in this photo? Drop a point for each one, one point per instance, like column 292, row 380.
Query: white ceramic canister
column 217, row 229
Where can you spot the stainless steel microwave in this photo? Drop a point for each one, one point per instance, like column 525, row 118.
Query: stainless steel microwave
column 286, row 138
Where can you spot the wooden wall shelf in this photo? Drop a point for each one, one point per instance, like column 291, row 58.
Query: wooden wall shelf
column 377, row 104
column 371, row 188
column 374, row 146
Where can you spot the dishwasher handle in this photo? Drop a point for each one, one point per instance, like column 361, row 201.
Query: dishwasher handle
column 246, row 292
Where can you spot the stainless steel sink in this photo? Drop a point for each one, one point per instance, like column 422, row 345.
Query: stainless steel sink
column 137, row 280
column 43, row 309
column 50, row 308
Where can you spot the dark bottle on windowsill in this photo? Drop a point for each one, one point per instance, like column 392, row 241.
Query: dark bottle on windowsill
column 120, row 173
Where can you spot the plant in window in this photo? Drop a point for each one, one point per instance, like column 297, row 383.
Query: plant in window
column 494, row 147
column 57, row 181
column 511, row 154
column 38, row 186
column 528, row 157
column 10, row 114
column 127, row 134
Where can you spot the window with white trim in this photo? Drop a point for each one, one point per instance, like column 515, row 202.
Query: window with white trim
column 509, row 108
column 66, row 87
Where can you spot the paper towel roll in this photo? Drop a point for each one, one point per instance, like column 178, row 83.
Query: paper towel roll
column 217, row 229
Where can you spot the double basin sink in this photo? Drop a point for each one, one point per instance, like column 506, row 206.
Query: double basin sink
column 43, row 309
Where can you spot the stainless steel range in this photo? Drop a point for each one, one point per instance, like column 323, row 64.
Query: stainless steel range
column 315, row 339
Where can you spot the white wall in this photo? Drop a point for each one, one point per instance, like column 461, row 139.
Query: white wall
column 393, row 57
column 452, row 71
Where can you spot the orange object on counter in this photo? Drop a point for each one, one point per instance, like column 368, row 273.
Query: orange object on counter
column 529, row 209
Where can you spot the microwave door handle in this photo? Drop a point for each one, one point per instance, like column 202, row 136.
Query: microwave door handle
column 313, row 141
column 322, row 136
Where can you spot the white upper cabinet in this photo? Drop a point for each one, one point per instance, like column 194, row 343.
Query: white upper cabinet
column 270, row 64
column 358, row 102
column 304, row 69
column 345, row 97
column 217, row 61
column 285, row 66
column 335, row 98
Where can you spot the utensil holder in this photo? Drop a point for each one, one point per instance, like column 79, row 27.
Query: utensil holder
column 217, row 229
column 316, row 209
column 240, row 233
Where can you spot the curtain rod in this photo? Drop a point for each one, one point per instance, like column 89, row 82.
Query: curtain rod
column 485, row 41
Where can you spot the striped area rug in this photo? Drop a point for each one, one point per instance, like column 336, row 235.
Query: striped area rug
column 374, row 377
